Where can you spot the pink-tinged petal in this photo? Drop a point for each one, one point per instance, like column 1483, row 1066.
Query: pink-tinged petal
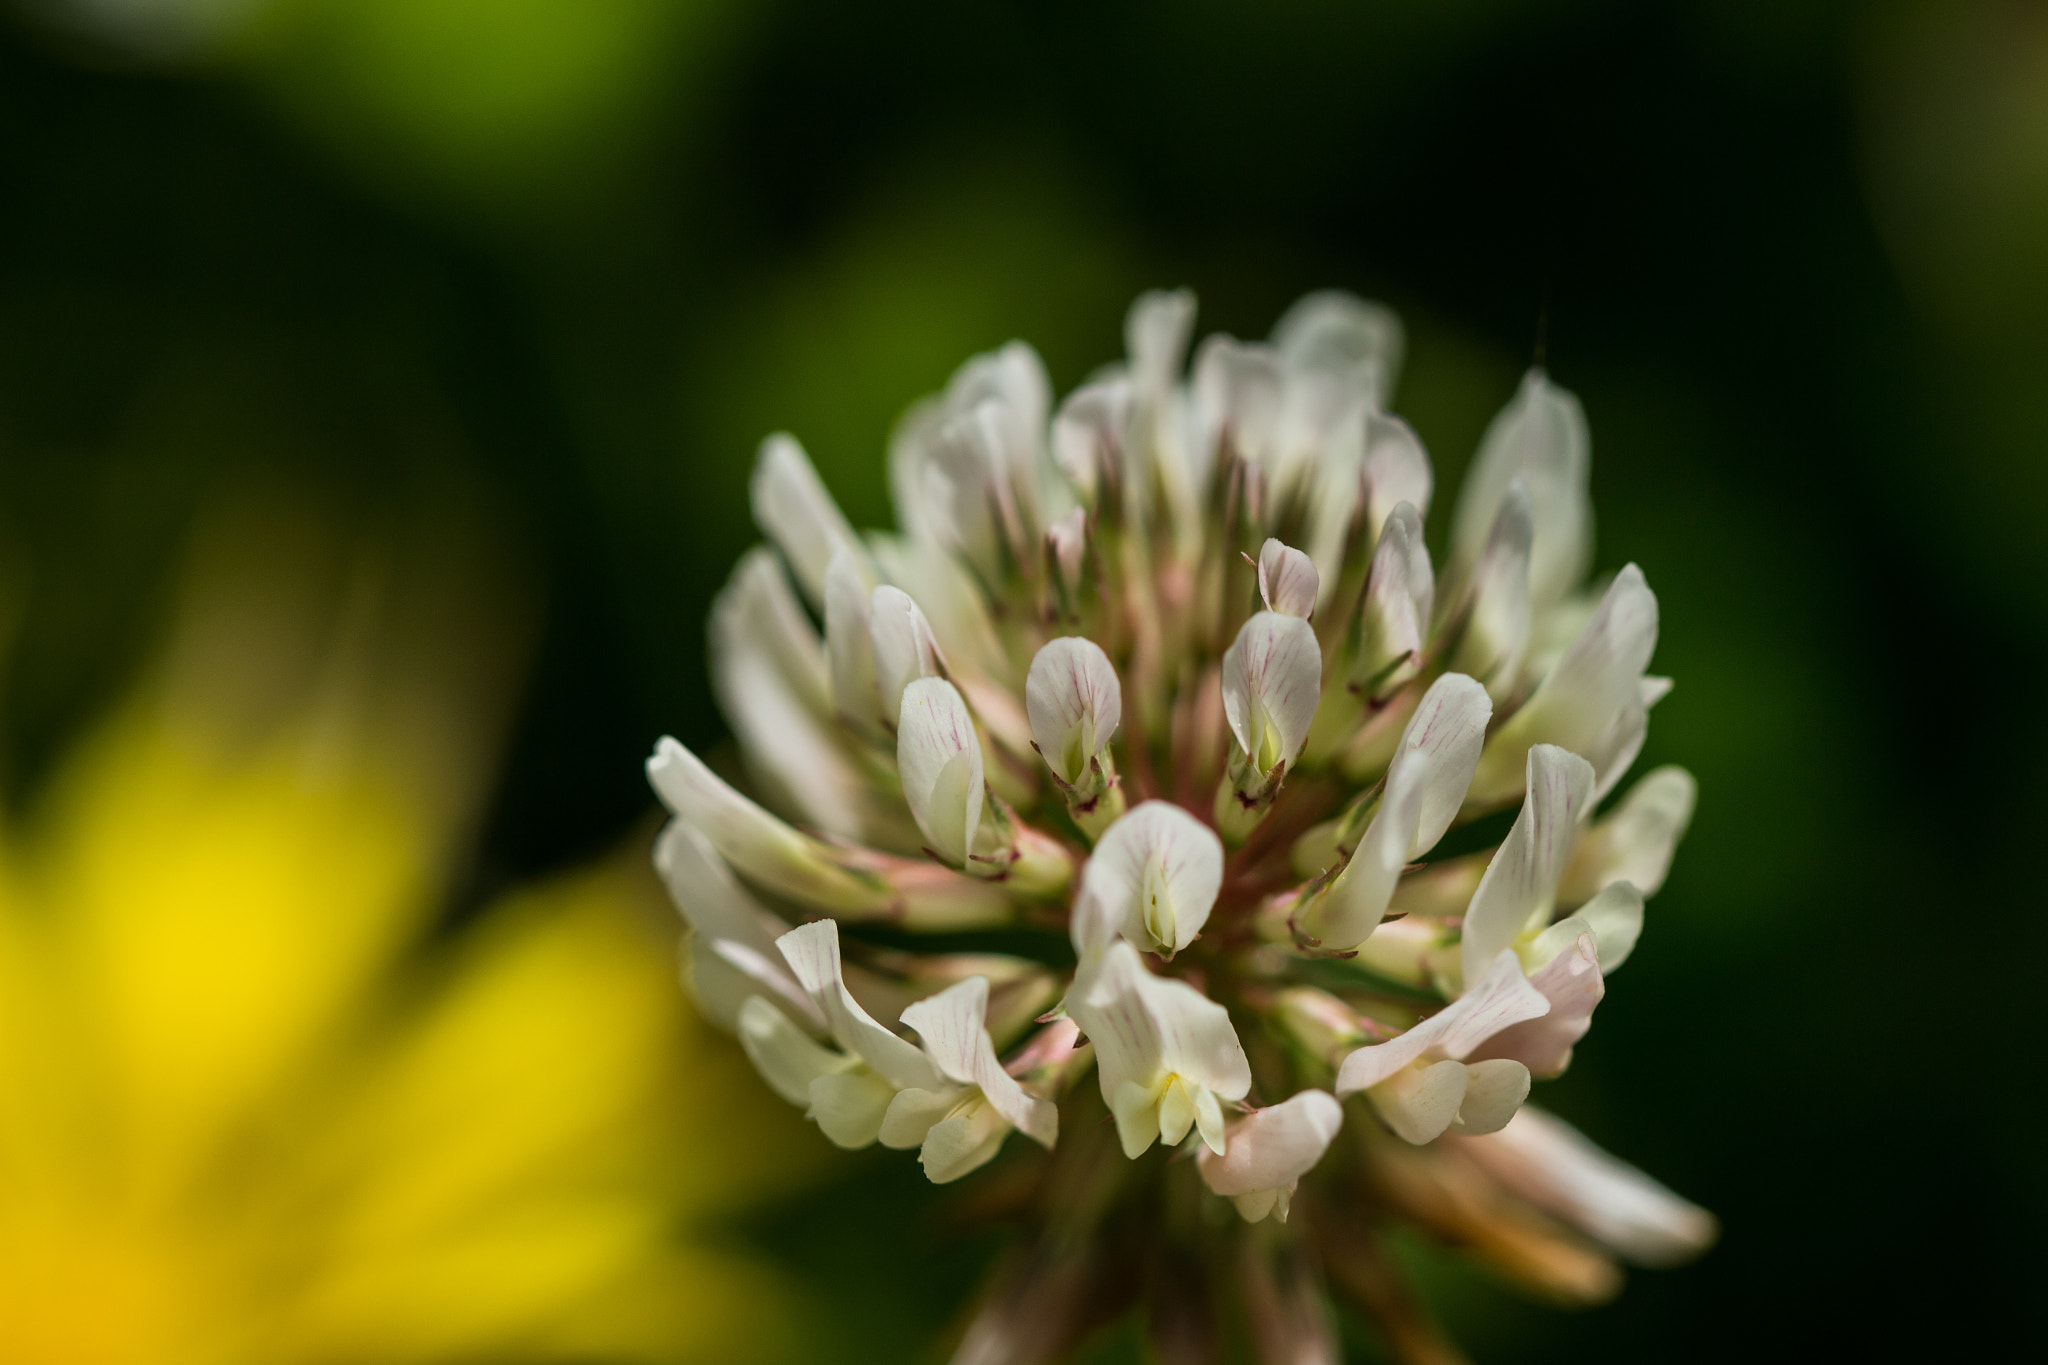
column 1272, row 1148
column 1500, row 999
column 1272, row 679
column 1521, row 882
column 1288, row 581
column 1572, row 983
column 1074, row 702
column 1552, row 1165
column 812, row 951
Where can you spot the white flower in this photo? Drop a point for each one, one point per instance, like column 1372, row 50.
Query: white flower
column 958, row 1127
column 1166, row 1055
column 1270, row 1150
column 1202, row 590
column 849, row 1091
column 1420, row 1082
column 1153, row 877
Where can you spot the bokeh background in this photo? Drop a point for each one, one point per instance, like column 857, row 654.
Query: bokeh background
column 378, row 385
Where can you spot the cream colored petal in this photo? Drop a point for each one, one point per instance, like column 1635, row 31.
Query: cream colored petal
column 849, row 1107
column 1572, row 983
column 1419, row 1102
column 962, row 1144
column 1494, row 1090
column 1400, row 594
column 1616, row 919
column 1497, row 624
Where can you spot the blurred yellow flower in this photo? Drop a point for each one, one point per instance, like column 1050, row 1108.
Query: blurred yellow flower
column 255, row 1107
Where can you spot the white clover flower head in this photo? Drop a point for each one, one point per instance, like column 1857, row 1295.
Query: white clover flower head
column 1161, row 683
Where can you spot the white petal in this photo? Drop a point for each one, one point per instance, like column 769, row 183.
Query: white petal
column 1067, row 538
column 1571, row 982
column 1501, row 999
column 1616, row 919
column 1400, row 593
column 1287, row 580
column 1419, row 1102
column 1634, row 843
column 1334, row 330
column 1257, row 1205
column 704, row 889
column 1156, row 332
column 1396, row 471
column 1272, row 678
column 1155, row 874
column 1592, row 700
column 1552, row 1165
column 1521, row 882
column 1494, row 1090
column 849, row 1108
column 1091, row 432
column 913, row 1112
column 953, row 1025
column 1497, row 628
column 793, row 509
column 726, row 974
column 1425, row 785
column 1272, row 1148
column 1540, row 438
column 905, row 648
column 1075, row 703
column 812, row 951
column 1447, row 730
column 1236, row 388
column 1144, row 1027
column 754, row 843
column 849, row 640
column 778, row 709
column 938, row 757
column 784, row 1054
column 963, row 1143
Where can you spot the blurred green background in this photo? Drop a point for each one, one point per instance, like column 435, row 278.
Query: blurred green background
column 566, row 261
